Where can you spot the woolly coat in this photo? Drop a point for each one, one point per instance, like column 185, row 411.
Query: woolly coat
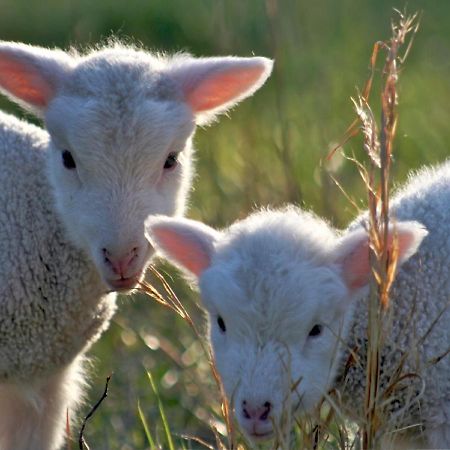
column 53, row 304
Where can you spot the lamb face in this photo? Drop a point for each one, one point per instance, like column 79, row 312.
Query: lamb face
column 275, row 332
column 115, row 160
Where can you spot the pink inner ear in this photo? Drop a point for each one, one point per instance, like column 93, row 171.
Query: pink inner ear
column 23, row 81
column 404, row 241
column 186, row 250
column 356, row 267
column 222, row 88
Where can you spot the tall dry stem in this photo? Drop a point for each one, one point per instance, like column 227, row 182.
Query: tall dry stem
column 378, row 143
column 379, row 146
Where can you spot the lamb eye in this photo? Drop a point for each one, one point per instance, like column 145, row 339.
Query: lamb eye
column 171, row 161
column 68, row 160
column 316, row 330
column 221, row 324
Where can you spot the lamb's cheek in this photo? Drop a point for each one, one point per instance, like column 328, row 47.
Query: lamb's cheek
column 229, row 370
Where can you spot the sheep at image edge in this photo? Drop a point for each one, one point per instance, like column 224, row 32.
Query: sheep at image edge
column 286, row 297
column 73, row 202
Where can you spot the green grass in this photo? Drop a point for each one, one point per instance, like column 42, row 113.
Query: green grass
column 268, row 152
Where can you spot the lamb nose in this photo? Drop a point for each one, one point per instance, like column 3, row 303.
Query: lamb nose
column 120, row 263
column 261, row 412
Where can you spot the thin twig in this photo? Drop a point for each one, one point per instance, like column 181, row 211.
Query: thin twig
column 81, row 441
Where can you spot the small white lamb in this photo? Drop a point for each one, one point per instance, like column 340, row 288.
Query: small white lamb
column 73, row 202
column 286, row 297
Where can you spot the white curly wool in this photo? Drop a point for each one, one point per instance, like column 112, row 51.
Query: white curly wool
column 286, row 297
column 74, row 199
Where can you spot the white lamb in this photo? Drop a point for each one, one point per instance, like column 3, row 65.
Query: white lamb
column 74, row 199
column 286, row 297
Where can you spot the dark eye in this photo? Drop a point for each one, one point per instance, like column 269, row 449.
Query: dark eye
column 316, row 330
column 221, row 324
column 171, row 161
column 68, row 160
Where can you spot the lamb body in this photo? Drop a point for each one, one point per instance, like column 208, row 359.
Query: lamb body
column 286, row 297
column 74, row 199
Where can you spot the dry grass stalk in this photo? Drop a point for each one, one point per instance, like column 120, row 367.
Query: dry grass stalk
column 383, row 251
column 378, row 141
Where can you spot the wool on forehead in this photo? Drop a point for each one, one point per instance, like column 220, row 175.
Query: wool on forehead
column 125, row 72
column 265, row 238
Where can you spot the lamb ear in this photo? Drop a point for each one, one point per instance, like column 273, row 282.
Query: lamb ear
column 353, row 251
column 212, row 85
column 186, row 243
column 30, row 75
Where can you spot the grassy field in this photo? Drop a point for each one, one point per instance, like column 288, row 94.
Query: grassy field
column 269, row 151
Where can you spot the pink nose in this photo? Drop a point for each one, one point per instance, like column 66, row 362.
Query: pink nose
column 256, row 413
column 120, row 264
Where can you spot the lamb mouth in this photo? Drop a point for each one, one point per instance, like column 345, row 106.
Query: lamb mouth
column 262, row 436
column 124, row 284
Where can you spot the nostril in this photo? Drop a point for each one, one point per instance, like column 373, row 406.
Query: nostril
column 265, row 414
column 244, row 410
column 106, row 255
column 132, row 255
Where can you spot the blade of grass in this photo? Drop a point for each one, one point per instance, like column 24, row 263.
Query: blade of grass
column 148, row 434
column 161, row 412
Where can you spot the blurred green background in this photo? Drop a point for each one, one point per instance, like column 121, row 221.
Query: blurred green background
column 269, row 151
